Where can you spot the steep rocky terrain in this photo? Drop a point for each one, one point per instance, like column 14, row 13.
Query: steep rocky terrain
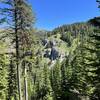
column 60, row 42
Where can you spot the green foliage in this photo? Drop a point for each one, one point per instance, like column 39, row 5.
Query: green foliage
column 12, row 81
column 77, row 77
column 3, row 76
column 55, row 77
column 94, row 61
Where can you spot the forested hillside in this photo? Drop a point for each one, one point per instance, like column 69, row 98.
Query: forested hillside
column 62, row 64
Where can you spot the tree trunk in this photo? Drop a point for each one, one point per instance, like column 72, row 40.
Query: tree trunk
column 25, row 82
column 17, row 51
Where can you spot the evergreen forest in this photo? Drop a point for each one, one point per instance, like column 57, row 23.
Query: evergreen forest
column 62, row 64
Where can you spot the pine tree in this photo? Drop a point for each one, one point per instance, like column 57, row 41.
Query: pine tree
column 80, row 69
column 65, row 79
column 55, row 78
column 46, row 83
column 93, row 62
column 3, row 73
column 3, row 77
column 12, row 81
column 19, row 19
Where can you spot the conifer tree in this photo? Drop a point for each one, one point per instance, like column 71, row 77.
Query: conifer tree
column 19, row 19
column 12, row 82
column 55, row 78
column 3, row 73
column 46, row 83
column 93, row 62
column 65, row 77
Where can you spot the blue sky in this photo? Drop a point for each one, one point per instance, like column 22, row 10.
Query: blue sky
column 53, row 13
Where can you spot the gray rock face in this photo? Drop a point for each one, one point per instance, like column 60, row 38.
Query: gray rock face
column 47, row 54
column 48, row 44
column 54, row 54
column 44, row 42
column 52, row 43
